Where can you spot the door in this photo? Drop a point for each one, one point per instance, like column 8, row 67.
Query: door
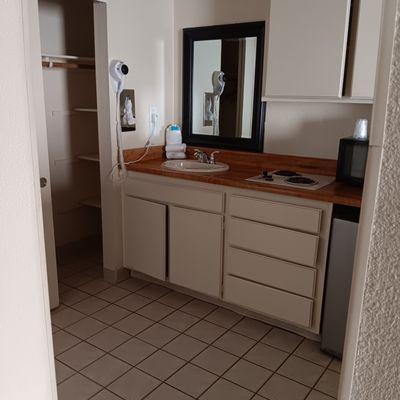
column 195, row 250
column 36, row 99
column 145, row 231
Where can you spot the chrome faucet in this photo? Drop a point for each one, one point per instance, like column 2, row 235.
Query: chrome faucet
column 202, row 157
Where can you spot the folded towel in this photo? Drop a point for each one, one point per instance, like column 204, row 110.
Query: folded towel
column 175, row 148
column 176, row 155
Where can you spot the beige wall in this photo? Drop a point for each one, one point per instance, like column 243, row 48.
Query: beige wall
column 304, row 129
column 26, row 361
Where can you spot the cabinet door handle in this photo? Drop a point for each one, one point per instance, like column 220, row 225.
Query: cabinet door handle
column 43, row 182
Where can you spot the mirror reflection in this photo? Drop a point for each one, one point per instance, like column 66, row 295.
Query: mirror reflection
column 224, row 73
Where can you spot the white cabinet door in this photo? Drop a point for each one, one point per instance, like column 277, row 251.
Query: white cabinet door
column 307, row 48
column 145, row 237
column 364, row 48
column 195, row 250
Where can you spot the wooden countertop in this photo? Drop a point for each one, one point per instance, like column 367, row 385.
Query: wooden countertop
column 336, row 192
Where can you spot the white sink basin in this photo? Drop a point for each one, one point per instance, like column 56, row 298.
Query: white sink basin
column 195, row 166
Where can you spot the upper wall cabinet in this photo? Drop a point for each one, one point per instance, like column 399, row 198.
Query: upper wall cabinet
column 363, row 49
column 307, row 48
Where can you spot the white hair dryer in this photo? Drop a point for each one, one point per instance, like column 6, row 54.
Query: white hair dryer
column 118, row 71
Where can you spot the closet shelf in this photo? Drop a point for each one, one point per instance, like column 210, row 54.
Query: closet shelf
column 89, row 157
column 67, row 62
column 89, row 110
column 94, row 202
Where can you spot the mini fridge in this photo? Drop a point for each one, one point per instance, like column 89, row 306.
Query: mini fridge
column 338, row 280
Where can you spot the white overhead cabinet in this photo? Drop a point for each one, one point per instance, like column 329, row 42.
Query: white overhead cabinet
column 363, row 49
column 307, row 48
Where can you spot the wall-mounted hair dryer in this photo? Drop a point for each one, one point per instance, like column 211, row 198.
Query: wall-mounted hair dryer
column 118, row 72
column 218, row 82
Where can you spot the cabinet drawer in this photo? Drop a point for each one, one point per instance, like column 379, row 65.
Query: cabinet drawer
column 201, row 199
column 271, row 272
column 273, row 302
column 300, row 248
column 280, row 214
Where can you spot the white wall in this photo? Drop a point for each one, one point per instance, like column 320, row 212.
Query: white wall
column 312, row 129
column 26, row 361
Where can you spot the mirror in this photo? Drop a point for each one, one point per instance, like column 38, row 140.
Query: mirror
column 222, row 86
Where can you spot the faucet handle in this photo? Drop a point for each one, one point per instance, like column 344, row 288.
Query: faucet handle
column 212, row 156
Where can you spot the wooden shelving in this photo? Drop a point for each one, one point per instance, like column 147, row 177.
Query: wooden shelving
column 88, row 110
column 68, row 62
column 89, row 157
column 94, row 202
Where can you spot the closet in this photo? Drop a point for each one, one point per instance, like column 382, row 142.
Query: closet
column 67, row 42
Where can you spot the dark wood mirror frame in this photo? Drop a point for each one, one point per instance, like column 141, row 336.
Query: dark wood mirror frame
column 232, row 31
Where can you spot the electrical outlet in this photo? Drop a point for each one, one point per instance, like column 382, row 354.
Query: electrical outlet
column 153, row 118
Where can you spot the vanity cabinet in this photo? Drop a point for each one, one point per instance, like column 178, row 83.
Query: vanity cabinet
column 195, row 250
column 263, row 252
column 307, row 48
column 145, row 230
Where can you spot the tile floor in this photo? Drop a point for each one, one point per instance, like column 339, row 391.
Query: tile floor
column 137, row 340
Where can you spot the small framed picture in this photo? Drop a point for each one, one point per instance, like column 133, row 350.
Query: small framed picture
column 128, row 113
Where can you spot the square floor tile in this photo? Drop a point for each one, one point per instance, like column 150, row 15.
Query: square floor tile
column 329, row 383
column 282, row 340
column 106, row 369
column 198, row 308
column 80, row 356
column 95, row 286
column 215, row 360
column 223, row 389
column 175, row 299
column 133, row 284
column 62, row 372
column 86, row 327
column 133, row 324
column 113, row 294
column 109, row 339
column 185, row 347
column 223, row 317
column 105, row 395
column 90, row 305
column 133, row 302
column 314, row 395
column 54, row 328
column 335, row 365
column 310, row 350
column 158, row 335
column 134, row 385
column 252, row 328
column 65, row 317
column 94, row 272
column 281, row 388
column 134, row 351
column 77, row 280
column 72, row 296
column 63, row 288
column 179, row 320
column 192, row 380
column 161, row 365
column 248, row 375
column 165, row 392
column 63, row 341
column 234, row 343
column 77, row 388
column 206, row 331
column 302, row 371
column 266, row 356
column 111, row 314
column 155, row 311
column 153, row 291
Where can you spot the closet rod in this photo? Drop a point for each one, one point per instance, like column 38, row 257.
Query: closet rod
column 69, row 62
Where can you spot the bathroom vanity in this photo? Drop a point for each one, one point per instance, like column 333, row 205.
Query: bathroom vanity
column 263, row 249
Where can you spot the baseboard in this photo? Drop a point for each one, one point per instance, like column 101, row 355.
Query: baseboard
column 115, row 275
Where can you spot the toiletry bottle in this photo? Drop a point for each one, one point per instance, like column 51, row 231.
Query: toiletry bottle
column 174, row 135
